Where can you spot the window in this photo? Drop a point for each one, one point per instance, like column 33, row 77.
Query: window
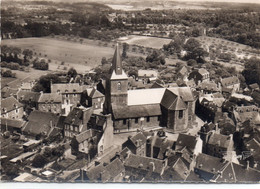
column 71, row 128
column 119, row 86
column 136, row 120
column 76, row 129
column 16, row 111
column 148, row 119
column 124, row 121
column 158, row 118
column 180, row 114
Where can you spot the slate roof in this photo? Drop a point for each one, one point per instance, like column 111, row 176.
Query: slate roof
column 244, row 113
column 96, row 94
column 203, row 71
column 12, row 123
column 145, row 96
column 229, row 81
column 183, row 70
column 185, row 140
column 28, row 95
column 39, row 122
column 144, row 163
column 7, row 92
column 68, row 88
column 254, row 86
column 156, row 85
column 207, row 127
column 147, row 73
column 184, row 92
column 75, row 117
column 208, row 86
column 219, row 139
column 94, row 173
column 9, row 104
column 50, row 97
column 84, row 135
column 209, row 163
column 172, row 102
column 138, row 137
column 113, row 169
column 121, row 112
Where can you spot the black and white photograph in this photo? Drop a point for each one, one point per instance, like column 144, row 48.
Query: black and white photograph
column 130, row 92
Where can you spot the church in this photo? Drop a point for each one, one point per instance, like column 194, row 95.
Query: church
column 172, row 108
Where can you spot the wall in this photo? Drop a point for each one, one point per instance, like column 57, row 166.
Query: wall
column 50, row 107
column 14, row 114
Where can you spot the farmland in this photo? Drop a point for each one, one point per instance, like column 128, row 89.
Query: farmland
column 151, row 42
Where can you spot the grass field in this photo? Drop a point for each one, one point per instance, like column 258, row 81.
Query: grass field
column 146, row 41
column 63, row 51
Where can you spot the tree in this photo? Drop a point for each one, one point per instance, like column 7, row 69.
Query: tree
column 194, row 50
column 252, row 71
column 125, row 48
column 44, row 83
column 72, row 73
column 156, row 57
column 192, row 62
column 104, row 61
column 39, row 161
column 8, row 73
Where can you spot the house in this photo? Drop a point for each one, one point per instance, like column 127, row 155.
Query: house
column 140, row 168
column 231, row 82
column 183, row 73
column 11, row 108
column 95, row 99
column 208, row 87
column 11, row 125
column 158, row 146
column 76, row 122
column 256, row 97
column 71, row 94
column 219, row 145
column 192, row 143
column 7, row 92
column 41, row 124
column 244, row 113
column 27, row 86
column 136, row 144
column 217, row 170
column 254, row 86
column 85, row 143
column 205, row 132
column 199, row 75
column 253, row 146
column 208, row 166
column 50, row 102
column 113, row 172
column 29, row 99
column 227, row 92
column 147, row 75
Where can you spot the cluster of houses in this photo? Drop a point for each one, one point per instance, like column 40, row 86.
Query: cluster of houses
column 87, row 118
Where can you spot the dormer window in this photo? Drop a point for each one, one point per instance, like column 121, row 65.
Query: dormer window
column 119, row 86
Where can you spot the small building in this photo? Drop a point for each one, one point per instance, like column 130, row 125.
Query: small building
column 71, row 94
column 219, row 145
column 29, row 99
column 192, row 143
column 41, row 124
column 12, row 125
column 254, row 86
column 147, row 75
column 199, row 75
column 231, row 82
column 50, row 102
column 140, row 168
column 11, row 108
column 136, row 144
column 76, row 122
column 95, row 99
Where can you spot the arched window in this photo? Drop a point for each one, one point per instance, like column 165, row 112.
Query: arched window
column 119, row 86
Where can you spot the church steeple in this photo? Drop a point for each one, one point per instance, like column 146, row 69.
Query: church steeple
column 116, row 62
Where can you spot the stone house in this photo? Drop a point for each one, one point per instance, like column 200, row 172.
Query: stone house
column 76, row 122
column 11, row 108
column 231, row 83
column 71, row 94
column 136, row 144
column 199, row 75
column 50, row 102
column 95, row 99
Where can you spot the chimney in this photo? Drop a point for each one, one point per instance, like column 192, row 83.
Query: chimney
column 247, row 165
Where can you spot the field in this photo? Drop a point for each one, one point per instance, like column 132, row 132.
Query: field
column 152, row 42
column 59, row 51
